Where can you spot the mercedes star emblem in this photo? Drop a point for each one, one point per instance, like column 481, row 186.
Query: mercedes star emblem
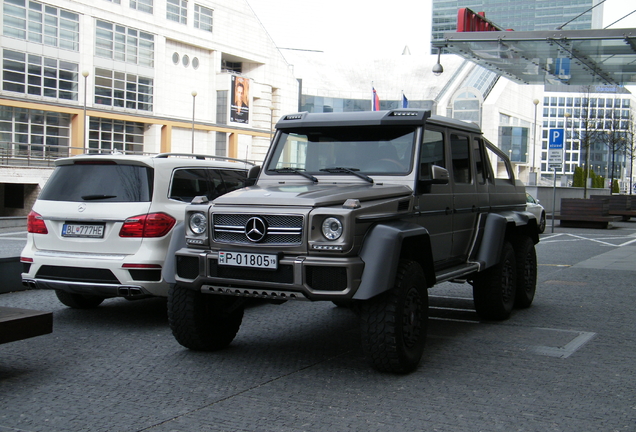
column 255, row 229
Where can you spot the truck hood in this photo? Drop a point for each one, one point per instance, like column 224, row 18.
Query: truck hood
column 311, row 195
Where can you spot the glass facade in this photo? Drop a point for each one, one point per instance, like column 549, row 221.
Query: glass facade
column 34, row 133
column 108, row 135
column 520, row 15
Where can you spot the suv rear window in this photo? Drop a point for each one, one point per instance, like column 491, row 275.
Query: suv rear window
column 99, row 182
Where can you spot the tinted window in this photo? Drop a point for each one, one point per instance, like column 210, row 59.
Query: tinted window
column 188, row 183
column 99, row 182
column 432, row 153
column 233, row 180
column 461, row 159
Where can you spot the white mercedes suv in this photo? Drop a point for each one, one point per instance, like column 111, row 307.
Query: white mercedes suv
column 108, row 225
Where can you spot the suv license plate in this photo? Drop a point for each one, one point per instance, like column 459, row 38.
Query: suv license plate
column 91, row 231
column 241, row 259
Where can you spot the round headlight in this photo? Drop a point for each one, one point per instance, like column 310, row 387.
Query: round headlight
column 198, row 223
column 332, row 228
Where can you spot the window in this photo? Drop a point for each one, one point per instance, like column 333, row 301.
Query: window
column 120, row 183
column 513, row 141
column 119, row 89
column 107, row 135
column 227, row 66
column 460, row 153
column 177, row 10
column 202, row 18
column 190, row 182
column 480, row 166
column 432, row 153
column 124, row 44
column 48, row 133
column 39, row 76
column 40, row 23
column 142, row 5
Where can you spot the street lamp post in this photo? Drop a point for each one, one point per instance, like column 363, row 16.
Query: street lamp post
column 534, row 143
column 194, row 97
column 85, row 74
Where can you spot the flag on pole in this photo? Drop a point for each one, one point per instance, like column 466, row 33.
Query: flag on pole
column 375, row 101
column 405, row 101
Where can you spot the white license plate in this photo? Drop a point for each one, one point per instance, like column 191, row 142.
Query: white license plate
column 242, row 259
column 80, row 230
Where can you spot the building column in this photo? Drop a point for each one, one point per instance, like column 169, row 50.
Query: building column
column 166, row 138
column 77, row 135
column 232, row 146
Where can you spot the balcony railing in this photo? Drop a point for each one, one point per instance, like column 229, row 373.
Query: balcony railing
column 44, row 155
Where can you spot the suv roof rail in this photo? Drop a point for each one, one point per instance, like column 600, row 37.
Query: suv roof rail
column 199, row 156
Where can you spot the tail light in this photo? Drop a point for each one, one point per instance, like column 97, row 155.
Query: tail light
column 35, row 224
column 148, row 225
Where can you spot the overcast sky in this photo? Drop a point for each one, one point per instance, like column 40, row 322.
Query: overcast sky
column 371, row 30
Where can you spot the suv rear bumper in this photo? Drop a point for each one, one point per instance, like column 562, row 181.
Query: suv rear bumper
column 93, row 289
column 297, row 277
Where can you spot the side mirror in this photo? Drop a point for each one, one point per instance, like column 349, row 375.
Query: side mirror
column 436, row 175
column 252, row 175
column 439, row 175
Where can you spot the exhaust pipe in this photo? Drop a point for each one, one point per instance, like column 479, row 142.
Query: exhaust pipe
column 29, row 283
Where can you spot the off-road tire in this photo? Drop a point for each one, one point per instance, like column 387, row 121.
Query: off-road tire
column 526, row 258
column 78, row 301
column 394, row 323
column 494, row 289
column 203, row 322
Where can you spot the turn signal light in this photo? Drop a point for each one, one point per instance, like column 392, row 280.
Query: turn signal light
column 148, row 225
column 35, row 224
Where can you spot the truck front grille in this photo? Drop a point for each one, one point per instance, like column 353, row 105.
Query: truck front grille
column 280, row 229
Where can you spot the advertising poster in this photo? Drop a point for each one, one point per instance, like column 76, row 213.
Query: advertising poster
column 239, row 101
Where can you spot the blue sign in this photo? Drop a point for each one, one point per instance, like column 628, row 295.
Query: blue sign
column 555, row 139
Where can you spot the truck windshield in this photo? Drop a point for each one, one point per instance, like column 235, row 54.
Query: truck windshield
column 367, row 150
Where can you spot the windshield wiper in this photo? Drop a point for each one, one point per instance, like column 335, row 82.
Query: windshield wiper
column 353, row 171
column 296, row 171
column 97, row 197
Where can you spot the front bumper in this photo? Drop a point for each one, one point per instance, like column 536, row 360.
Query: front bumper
column 298, row 277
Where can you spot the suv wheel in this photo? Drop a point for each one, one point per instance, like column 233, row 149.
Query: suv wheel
column 494, row 289
column 203, row 322
column 542, row 223
column 394, row 323
column 526, row 258
column 78, row 301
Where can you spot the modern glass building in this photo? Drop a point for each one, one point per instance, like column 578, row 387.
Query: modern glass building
column 520, row 15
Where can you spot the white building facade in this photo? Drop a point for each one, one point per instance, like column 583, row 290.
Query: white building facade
column 156, row 76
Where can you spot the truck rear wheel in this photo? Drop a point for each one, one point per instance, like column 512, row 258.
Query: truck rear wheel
column 526, row 258
column 494, row 289
column 203, row 322
column 394, row 323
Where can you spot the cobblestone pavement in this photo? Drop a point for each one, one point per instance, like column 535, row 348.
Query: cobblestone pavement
column 565, row 364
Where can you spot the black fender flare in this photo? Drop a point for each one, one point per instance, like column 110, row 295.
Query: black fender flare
column 384, row 245
column 497, row 228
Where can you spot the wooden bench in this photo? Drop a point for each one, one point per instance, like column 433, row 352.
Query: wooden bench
column 17, row 324
column 620, row 205
column 586, row 213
